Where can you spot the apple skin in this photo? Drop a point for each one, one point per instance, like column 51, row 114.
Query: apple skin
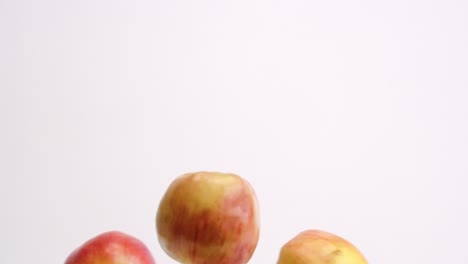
column 208, row 217
column 112, row 247
column 319, row 247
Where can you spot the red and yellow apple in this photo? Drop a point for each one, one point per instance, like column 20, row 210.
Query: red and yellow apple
column 111, row 248
column 208, row 217
column 319, row 247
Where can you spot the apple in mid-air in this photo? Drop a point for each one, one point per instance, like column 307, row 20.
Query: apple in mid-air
column 112, row 247
column 319, row 247
column 208, row 217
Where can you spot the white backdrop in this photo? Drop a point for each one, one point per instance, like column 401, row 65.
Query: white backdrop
column 347, row 116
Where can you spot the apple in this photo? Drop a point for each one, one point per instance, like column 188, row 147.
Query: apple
column 112, row 247
column 319, row 247
column 208, row 217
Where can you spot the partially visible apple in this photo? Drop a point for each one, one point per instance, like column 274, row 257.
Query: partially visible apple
column 319, row 247
column 208, row 217
column 111, row 248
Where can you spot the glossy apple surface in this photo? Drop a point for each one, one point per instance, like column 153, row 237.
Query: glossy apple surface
column 111, row 248
column 207, row 218
column 319, row 247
